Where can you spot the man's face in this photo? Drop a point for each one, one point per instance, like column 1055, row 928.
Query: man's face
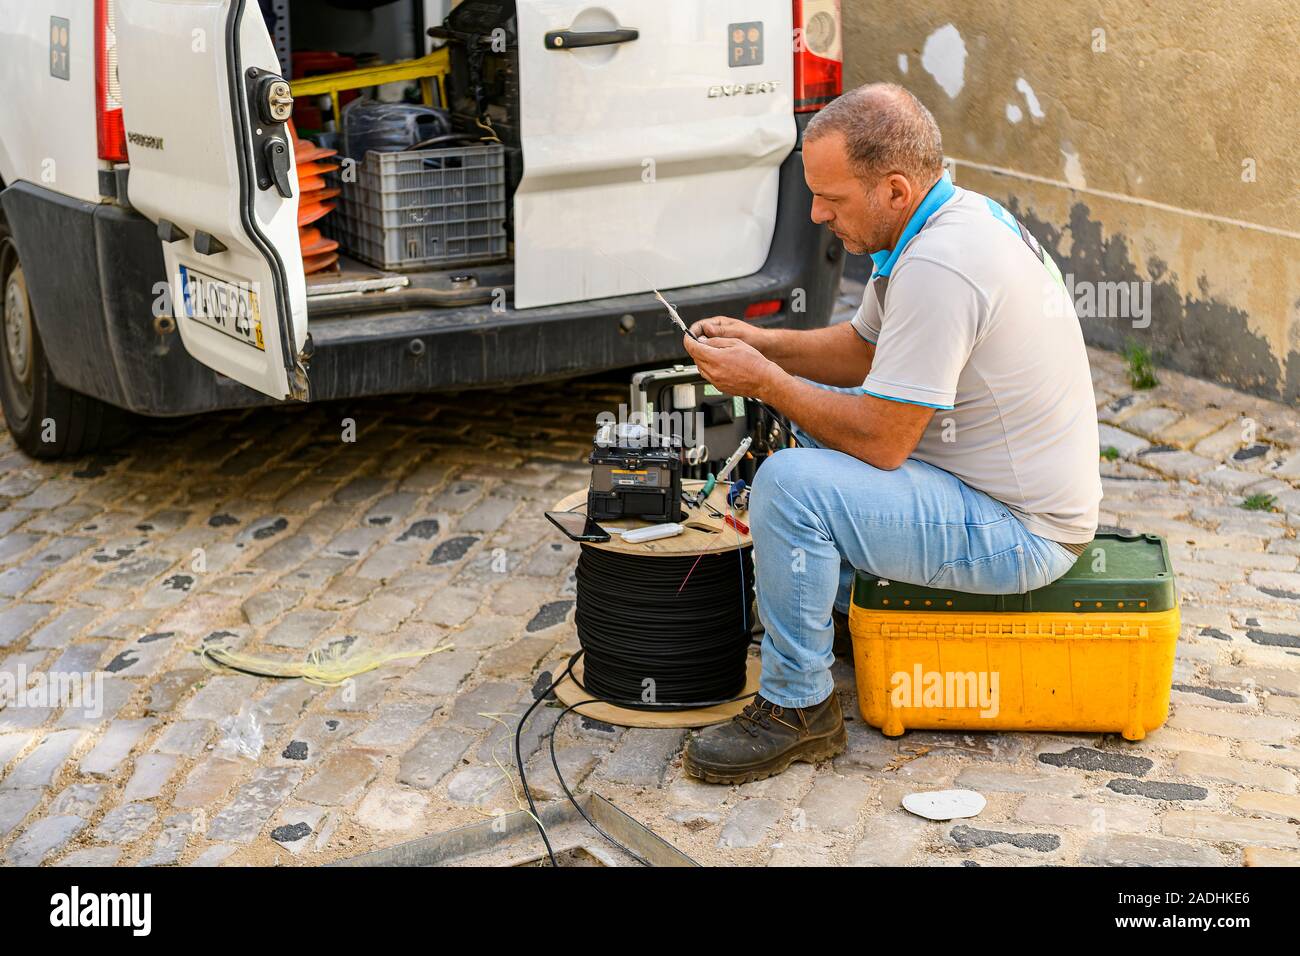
column 860, row 212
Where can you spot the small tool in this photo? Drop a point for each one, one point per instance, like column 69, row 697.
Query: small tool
column 734, row 460
column 734, row 522
column 677, row 319
column 710, row 509
column 738, row 495
column 653, row 533
column 672, row 311
column 712, row 481
column 697, row 455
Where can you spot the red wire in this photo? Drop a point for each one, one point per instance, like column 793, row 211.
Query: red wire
column 689, row 573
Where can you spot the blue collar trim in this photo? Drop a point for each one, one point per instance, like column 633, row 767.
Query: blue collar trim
column 939, row 194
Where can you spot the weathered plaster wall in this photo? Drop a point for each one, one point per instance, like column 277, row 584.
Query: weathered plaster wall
column 1142, row 143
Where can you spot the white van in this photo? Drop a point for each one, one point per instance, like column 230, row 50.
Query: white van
column 651, row 144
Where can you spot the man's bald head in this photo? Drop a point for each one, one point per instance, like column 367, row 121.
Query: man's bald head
column 886, row 130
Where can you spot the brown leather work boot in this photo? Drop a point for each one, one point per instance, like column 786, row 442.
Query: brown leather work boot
column 765, row 738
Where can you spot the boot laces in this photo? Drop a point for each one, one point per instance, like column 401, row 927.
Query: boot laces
column 760, row 712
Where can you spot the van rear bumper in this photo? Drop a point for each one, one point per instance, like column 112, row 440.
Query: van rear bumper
column 94, row 271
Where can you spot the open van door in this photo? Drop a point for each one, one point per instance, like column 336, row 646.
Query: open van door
column 211, row 156
column 653, row 135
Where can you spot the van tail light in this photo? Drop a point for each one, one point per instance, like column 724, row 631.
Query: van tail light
column 757, row 310
column 108, row 93
column 818, row 54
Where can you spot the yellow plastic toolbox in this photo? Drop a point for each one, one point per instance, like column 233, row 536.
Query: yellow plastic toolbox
column 1092, row 651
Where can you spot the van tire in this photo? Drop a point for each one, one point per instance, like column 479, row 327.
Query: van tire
column 47, row 420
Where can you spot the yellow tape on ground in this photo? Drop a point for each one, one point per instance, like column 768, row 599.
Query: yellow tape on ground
column 328, row 666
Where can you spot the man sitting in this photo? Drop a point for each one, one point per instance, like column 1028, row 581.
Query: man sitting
column 949, row 431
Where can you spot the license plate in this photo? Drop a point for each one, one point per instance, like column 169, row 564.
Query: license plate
column 228, row 307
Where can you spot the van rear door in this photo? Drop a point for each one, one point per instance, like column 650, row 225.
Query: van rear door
column 652, row 135
column 212, row 163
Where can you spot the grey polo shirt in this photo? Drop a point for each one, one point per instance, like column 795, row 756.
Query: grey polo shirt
column 977, row 326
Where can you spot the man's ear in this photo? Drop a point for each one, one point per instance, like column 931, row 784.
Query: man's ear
column 900, row 191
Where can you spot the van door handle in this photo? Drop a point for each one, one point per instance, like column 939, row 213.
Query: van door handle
column 276, row 152
column 568, row 39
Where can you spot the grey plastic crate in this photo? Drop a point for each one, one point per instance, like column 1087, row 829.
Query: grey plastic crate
column 423, row 208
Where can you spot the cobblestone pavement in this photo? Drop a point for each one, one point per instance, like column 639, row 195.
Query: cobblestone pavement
column 269, row 531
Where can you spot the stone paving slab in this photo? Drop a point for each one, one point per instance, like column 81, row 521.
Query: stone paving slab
column 265, row 530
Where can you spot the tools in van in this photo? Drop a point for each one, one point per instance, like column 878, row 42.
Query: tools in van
column 635, row 473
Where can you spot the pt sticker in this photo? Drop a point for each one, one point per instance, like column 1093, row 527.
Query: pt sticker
column 60, row 65
column 745, row 43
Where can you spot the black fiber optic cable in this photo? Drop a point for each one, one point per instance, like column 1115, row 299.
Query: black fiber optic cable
column 663, row 627
column 555, row 762
column 523, row 776
column 519, row 761
column 681, row 614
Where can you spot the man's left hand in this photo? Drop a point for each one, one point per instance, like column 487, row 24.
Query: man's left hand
column 732, row 366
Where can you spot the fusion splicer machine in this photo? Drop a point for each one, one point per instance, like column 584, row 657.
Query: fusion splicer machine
column 635, row 473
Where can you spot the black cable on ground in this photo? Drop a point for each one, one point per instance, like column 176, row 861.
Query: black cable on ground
column 519, row 761
column 555, row 762
column 661, row 632
column 523, row 779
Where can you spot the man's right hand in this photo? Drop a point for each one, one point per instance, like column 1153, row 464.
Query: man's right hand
column 723, row 327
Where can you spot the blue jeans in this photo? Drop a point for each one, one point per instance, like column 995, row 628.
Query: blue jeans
column 817, row 514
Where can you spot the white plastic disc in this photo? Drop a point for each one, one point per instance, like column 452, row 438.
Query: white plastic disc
column 945, row 804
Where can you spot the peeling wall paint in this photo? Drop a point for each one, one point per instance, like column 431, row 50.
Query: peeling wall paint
column 1222, row 343
column 1137, row 145
column 1027, row 91
column 1073, row 169
column 944, row 58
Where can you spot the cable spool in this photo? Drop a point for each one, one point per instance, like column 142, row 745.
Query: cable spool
column 674, row 610
column 629, row 615
column 664, row 631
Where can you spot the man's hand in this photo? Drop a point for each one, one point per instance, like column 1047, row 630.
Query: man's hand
column 834, row 355
column 733, row 366
column 722, row 327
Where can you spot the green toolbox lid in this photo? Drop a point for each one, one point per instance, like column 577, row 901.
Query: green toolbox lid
column 1116, row 573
